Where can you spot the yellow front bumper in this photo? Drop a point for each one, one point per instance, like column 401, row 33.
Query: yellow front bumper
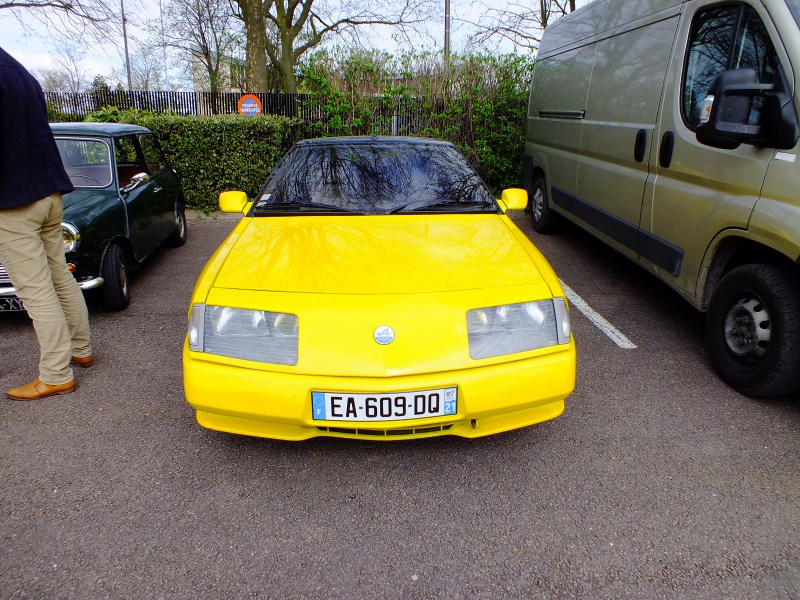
column 491, row 399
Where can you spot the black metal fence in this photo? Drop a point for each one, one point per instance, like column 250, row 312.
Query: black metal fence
column 454, row 120
column 302, row 106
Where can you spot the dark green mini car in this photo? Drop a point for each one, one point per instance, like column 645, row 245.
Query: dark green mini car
column 127, row 203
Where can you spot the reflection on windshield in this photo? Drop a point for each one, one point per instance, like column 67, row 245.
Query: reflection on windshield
column 86, row 161
column 375, row 178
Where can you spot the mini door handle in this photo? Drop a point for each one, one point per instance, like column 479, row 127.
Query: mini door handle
column 667, row 146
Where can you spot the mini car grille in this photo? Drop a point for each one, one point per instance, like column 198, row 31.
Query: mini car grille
column 385, row 432
column 4, row 278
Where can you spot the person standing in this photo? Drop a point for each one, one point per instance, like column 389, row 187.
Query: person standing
column 32, row 180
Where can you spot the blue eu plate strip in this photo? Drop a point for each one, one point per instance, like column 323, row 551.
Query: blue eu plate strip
column 318, row 400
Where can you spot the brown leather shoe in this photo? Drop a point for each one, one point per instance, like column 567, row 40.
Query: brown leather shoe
column 37, row 389
column 83, row 361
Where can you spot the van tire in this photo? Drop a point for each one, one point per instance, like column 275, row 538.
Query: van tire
column 116, row 288
column 542, row 216
column 753, row 330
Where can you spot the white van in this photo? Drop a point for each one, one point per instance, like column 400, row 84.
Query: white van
column 669, row 129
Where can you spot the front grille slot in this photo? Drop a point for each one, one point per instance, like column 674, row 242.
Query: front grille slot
column 385, row 432
column 4, row 278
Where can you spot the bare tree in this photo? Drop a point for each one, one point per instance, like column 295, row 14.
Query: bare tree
column 521, row 24
column 56, row 14
column 284, row 30
column 207, row 33
column 146, row 69
column 68, row 73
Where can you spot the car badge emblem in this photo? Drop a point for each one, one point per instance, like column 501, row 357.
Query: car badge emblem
column 384, row 335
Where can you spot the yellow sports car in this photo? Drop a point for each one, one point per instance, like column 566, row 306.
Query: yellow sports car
column 376, row 289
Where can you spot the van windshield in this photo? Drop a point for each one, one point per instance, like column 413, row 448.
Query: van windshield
column 794, row 7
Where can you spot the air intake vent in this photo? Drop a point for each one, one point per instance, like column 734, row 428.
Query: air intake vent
column 386, row 432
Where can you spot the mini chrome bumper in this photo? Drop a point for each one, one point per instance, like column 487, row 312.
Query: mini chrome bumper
column 87, row 284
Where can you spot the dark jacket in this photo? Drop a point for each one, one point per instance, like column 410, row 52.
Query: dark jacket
column 30, row 166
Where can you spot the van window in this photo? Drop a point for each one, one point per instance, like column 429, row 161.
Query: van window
column 794, row 8
column 726, row 37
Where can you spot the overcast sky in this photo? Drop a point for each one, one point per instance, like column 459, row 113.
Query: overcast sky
column 35, row 48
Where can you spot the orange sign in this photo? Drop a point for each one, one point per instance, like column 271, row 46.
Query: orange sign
column 249, row 105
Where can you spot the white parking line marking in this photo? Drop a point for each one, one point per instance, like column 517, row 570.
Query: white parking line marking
column 612, row 332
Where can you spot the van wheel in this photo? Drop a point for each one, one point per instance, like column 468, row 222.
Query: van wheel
column 753, row 330
column 116, row 291
column 178, row 236
column 542, row 216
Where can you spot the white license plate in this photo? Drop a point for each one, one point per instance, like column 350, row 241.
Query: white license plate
column 335, row 406
column 11, row 304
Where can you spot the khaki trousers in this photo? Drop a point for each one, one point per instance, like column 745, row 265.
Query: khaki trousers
column 32, row 251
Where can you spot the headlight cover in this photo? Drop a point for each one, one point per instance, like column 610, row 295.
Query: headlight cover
column 512, row 328
column 71, row 235
column 256, row 335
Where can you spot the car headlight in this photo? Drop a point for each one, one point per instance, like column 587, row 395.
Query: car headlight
column 256, row 335
column 71, row 235
column 511, row 328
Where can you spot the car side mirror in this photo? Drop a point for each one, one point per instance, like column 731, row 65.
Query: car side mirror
column 232, row 202
column 514, row 199
column 136, row 181
column 739, row 110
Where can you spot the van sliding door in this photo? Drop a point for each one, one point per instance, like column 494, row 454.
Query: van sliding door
column 618, row 130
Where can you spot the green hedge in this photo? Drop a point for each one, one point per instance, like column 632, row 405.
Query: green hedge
column 215, row 154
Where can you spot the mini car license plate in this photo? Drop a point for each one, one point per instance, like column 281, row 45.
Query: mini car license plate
column 335, row 406
column 11, row 304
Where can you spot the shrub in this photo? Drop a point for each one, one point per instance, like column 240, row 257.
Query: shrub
column 213, row 154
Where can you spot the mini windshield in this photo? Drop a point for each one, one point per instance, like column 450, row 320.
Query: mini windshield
column 374, row 178
column 87, row 161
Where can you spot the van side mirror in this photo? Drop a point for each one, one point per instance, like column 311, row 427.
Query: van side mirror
column 734, row 96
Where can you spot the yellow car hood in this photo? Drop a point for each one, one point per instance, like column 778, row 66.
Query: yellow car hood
column 397, row 254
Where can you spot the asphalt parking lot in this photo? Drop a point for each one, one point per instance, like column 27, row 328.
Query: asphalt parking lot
column 658, row 481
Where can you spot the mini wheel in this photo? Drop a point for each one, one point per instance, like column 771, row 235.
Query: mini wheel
column 116, row 291
column 178, row 236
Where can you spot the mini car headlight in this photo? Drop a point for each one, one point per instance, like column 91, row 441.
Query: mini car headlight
column 512, row 328
column 256, row 335
column 71, row 235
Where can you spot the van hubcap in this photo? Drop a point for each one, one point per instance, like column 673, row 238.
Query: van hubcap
column 538, row 204
column 747, row 328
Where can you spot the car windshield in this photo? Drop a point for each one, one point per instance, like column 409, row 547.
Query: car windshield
column 87, row 161
column 374, row 178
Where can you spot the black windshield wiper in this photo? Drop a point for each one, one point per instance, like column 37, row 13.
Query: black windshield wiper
column 288, row 206
column 421, row 205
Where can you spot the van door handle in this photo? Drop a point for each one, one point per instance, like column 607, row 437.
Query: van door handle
column 639, row 145
column 667, row 146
